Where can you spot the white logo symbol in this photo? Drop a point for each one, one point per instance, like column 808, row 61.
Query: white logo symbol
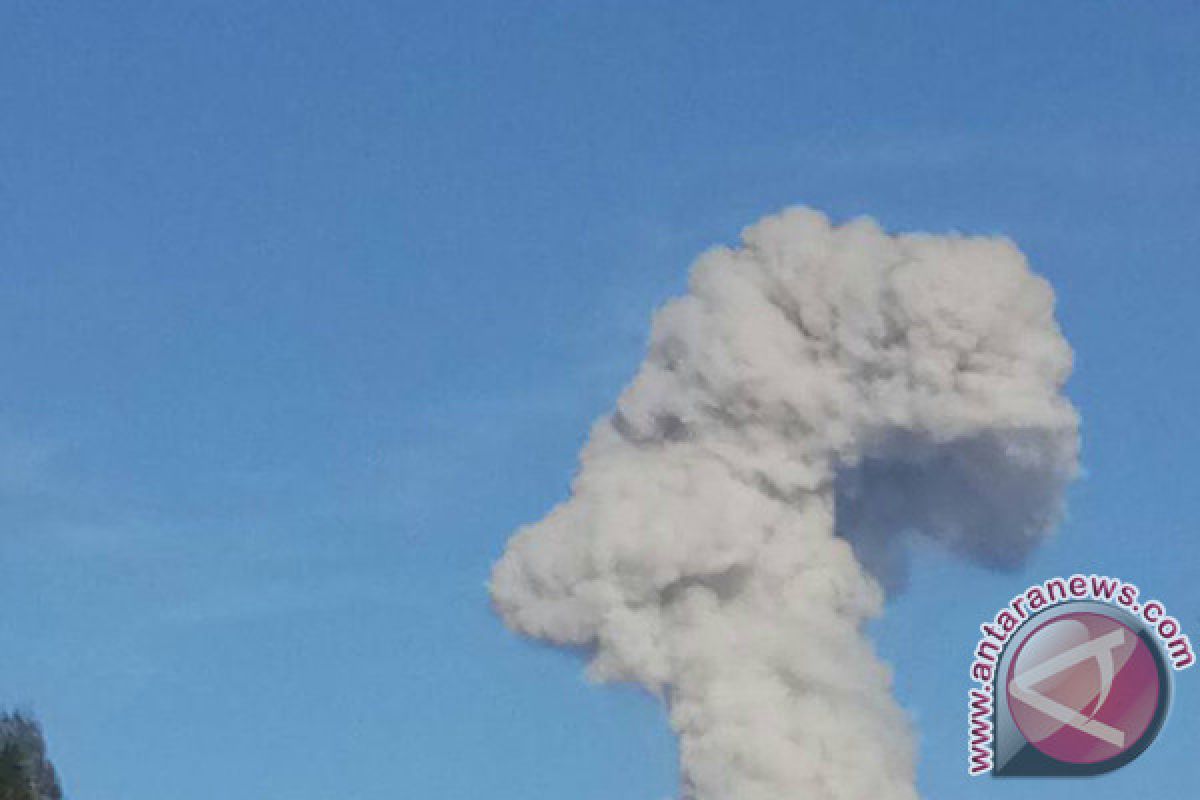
column 1101, row 649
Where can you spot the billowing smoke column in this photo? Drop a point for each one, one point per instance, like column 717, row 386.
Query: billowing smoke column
column 820, row 393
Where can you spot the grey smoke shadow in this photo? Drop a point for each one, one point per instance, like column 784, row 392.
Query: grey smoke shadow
column 989, row 498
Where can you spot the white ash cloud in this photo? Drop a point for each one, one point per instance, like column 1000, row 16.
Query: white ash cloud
column 818, row 393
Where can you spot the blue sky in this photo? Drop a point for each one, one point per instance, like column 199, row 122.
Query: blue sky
column 304, row 307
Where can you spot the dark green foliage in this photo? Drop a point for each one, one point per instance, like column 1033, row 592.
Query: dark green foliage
column 14, row 782
column 25, row 771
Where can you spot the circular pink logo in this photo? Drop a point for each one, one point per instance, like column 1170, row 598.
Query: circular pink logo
column 1083, row 688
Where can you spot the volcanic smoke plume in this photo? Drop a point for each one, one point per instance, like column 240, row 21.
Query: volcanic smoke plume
column 820, row 393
